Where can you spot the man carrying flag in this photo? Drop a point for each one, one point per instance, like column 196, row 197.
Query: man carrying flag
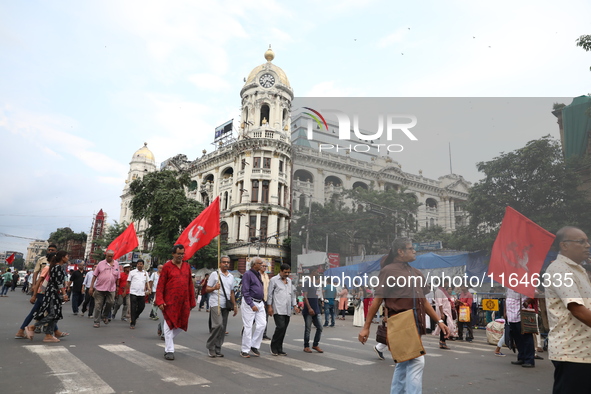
column 516, row 260
column 175, row 296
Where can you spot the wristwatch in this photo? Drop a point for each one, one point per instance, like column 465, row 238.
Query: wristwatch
column 440, row 321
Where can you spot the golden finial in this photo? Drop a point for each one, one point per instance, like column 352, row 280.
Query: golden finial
column 269, row 54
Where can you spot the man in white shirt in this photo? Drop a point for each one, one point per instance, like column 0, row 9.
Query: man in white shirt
column 280, row 299
column 88, row 299
column 219, row 315
column 138, row 285
column 153, row 286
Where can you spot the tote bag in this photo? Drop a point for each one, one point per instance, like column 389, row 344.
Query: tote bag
column 404, row 340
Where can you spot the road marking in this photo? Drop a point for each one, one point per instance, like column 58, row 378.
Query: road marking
column 75, row 376
column 346, row 359
column 168, row 371
column 224, row 362
column 292, row 362
column 445, row 351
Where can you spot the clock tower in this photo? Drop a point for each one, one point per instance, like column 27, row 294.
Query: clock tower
column 266, row 101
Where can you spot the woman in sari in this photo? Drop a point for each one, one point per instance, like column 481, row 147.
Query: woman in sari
column 55, row 293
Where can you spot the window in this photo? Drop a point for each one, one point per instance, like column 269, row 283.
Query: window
column 266, row 162
column 278, row 229
column 243, row 165
column 252, row 228
column 256, row 163
column 279, row 194
column 224, row 231
column 263, row 232
column 241, row 190
column 264, row 114
column 285, row 200
column 255, row 192
column 265, row 194
column 280, row 165
column 225, row 200
column 238, row 231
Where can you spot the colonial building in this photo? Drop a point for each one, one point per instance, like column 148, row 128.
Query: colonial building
column 142, row 162
column 319, row 175
column 251, row 173
column 34, row 251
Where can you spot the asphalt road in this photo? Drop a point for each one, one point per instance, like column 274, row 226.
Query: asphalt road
column 115, row 359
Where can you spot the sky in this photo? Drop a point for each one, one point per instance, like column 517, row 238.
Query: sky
column 84, row 84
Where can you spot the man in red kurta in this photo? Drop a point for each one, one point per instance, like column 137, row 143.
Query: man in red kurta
column 175, row 296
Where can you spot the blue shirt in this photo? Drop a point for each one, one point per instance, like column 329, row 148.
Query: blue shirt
column 252, row 287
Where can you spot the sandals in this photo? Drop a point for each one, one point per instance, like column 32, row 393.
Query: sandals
column 96, row 325
column 51, row 340
column 63, row 334
column 442, row 345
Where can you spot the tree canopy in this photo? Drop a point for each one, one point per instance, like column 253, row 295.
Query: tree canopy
column 535, row 181
column 584, row 42
column 160, row 198
column 355, row 221
column 61, row 236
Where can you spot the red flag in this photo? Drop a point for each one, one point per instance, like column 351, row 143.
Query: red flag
column 10, row 259
column 202, row 230
column 518, row 253
column 126, row 242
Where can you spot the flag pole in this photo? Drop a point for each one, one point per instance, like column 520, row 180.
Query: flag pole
column 219, row 270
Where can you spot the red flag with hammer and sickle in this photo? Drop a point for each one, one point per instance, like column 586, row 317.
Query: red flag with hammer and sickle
column 202, row 230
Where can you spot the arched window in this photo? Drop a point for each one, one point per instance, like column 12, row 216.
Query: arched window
column 264, row 114
column 225, row 201
column 224, row 231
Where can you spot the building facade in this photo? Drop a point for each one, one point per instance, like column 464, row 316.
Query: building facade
column 34, row 251
column 251, row 173
column 319, row 175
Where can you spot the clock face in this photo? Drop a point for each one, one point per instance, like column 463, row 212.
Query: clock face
column 267, row 80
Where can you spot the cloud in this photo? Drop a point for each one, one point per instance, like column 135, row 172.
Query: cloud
column 44, row 132
column 209, row 82
column 328, row 89
column 394, row 38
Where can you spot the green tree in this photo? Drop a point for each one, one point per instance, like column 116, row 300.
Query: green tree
column 535, row 181
column 357, row 218
column 61, row 236
column 18, row 263
column 160, row 199
column 585, row 43
column 432, row 234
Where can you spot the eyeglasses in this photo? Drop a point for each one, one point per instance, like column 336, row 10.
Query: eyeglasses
column 579, row 241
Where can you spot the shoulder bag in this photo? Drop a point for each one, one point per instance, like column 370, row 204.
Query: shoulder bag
column 229, row 304
column 404, row 340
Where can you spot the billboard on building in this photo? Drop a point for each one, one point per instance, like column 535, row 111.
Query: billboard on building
column 223, row 130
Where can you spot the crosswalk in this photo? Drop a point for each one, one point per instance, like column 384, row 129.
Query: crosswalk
column 341, row 354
